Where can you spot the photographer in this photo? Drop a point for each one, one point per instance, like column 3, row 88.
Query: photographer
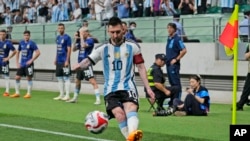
column 197, row 101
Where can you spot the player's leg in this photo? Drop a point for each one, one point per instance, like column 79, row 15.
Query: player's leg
column 96, row 90
column 79, row 77
column 89, row 75
column 114, row 110
column 20, row 72
column 66, row 78
column 29, row 71
column 59, row 76
column 5, row 71
column 131, row 110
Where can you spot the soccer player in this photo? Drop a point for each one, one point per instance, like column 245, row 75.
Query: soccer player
column 62, row 62
column 120, row 94
column 5, row 47
column 85, row 46
column 25, row 67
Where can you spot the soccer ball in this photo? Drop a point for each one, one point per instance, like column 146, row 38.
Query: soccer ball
column 96, row 122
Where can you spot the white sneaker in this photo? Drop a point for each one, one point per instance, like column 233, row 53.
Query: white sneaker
column 97, row 102
column 65, row 98
column 58, row 98
column 73, row 100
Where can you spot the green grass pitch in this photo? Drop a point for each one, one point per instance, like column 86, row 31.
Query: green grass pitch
column 43, row 119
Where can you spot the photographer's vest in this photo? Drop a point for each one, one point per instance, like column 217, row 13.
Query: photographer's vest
column 150, row 77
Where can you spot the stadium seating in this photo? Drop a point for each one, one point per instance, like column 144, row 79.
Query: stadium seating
column 206, row 28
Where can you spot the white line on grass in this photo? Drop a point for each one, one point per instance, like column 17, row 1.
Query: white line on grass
column 52, row 132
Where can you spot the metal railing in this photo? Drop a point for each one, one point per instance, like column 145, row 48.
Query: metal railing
column 206, row 28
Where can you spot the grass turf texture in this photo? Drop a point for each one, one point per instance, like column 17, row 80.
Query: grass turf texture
column 41, row 112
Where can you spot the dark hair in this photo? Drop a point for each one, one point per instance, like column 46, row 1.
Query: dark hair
column 114, row 21
column 26, row 32
column 61, row 24
column 124, row 23
column 3, row 30
column 173, row 25
column 132, row 23
column 196, row 77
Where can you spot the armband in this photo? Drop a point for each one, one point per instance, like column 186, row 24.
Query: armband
column 138, row 59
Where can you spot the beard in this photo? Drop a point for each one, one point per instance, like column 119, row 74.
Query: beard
column 117, row 40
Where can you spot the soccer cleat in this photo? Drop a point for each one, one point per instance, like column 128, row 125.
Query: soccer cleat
column 180, row 113
column 135, row 136
column 58, row 98
column 73, row 100
column 65, row 98
column 97, row 102
column 6, row 94
column 27, row 96
column 15, row 96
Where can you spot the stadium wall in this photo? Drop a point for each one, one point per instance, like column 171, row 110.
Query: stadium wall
column 201, row 58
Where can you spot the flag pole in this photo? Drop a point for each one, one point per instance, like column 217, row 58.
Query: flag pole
column 235, row 74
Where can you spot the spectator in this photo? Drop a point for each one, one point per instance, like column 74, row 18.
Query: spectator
column 132, row 27
column 176, row 3
column 201, row 6
column 55, row 12
column 42, row 12
column 186, row 7
column 148, row 5
column 91, row 14
column 63, row 13
column 98, row 7
column 127, row 33
column 180, row 30
column 32, row 13
column 227, row 6
column 156, row 80
column 13, row 4
column 156, row 7
column 83, row 4
column 7, row 17
column 244, row 27
column 137, row 7
column 108, row 8
column 168, row 8
column 77, row 13
column 18, row 19
column 197, row 101
column 123, row 9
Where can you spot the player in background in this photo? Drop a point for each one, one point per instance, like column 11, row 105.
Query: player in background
column 25, row 63
column 84, row 46
column 120, row 93
column 5, row 47
column 62, row 62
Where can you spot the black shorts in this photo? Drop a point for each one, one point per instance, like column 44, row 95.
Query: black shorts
column 26, row 71
column 5, row 69
column 85, row 74
column 62, row 71
column 115, row 99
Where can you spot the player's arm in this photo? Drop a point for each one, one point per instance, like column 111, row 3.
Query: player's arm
column 68, row 52
column 17, row 59
column 75, row 45
column 247, row 54
column 82, row 65
column 37, row 54
column 139, row 61
column 13, row 53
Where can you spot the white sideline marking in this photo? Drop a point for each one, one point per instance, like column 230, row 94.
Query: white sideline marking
column 53, row 132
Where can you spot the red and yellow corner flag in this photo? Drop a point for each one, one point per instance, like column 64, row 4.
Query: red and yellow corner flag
column 229, row 35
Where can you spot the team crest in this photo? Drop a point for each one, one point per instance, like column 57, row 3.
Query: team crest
column 117, row 55
column 28, row 46
column 126, row 54
column 62, row 41
column 4, row 46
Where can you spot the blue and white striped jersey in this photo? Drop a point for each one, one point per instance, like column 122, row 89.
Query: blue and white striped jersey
column 227, row 3
column 118, row 65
